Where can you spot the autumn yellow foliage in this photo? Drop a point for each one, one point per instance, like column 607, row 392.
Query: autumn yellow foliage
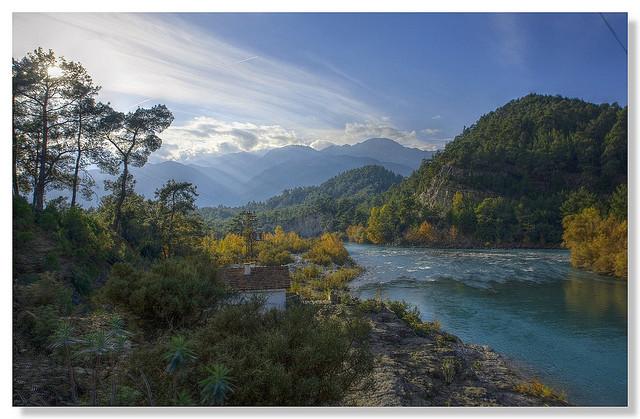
column 289, row 241
column 328, row 249
column 538, row 389
column 596, row 243
column 425, row 233
column 357, row 233
column 226, row 251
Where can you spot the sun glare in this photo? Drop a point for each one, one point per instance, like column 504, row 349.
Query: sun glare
column 54, row 71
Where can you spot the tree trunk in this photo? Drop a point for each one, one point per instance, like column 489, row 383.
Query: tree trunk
column 16, row 188
column 39, row 191
column 76, row 170
column 121, row 197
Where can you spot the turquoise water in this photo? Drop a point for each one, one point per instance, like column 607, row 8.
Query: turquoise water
column 565, row 326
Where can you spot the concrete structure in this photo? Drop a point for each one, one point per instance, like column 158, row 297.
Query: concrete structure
column 268, row 282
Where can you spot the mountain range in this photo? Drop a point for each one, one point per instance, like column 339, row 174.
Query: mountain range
column 237, row 178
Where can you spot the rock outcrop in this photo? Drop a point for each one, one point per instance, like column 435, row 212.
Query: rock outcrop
column 437, row 370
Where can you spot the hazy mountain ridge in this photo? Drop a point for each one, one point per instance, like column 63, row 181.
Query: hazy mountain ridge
column 237, row 178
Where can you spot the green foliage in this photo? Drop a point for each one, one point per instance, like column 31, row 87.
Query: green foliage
column 577, row 201
column 176, row 292
column 48, row 291
column 618, row 203
column 332, row 206
column 296, row 357
column 179, row 354
column 311, row 283
column 411, row 315
column 216, row 386
column 448, row 369
column 273, row 257
column 509, row 175
column 285, row 358
column 496, row 220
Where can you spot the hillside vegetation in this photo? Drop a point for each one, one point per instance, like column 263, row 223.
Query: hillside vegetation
column 121, row 305
column 511, row 179
column 332, row 206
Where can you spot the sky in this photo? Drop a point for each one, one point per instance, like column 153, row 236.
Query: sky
column 251, row 82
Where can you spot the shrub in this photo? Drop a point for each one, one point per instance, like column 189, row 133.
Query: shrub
column 357, row 234
column 40, row 305
column 597, row 243
column 327, row 250
column 285, row 358
column 448, row 369
column 295, row 357
column 311, row 283
column 405, row 311
column 425, row 233
column 289, row 241
column 274, row 257
column 538, row 389
column 175, row 292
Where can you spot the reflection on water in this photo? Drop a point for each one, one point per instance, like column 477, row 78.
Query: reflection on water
column 595, row 298
column 568, row 326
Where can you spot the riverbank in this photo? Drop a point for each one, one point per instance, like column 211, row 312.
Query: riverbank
column 565, row 326
column 436, row 369
column 415, row 363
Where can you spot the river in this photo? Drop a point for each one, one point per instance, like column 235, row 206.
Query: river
column 565, row 326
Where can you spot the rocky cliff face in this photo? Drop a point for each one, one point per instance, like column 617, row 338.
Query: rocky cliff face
column 438, row 370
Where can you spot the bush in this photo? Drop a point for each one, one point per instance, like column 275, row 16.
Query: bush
column 84, row 237
column 538, row 389
column 274, row 257
column 290, row 241
column 39, row 307
column 596, row 243
column 357, row 234
column 311, row 283
column 175, row 292
column 279, row 358
column 327, row 250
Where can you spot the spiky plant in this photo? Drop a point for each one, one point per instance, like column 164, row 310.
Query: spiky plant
column 97, row 345
column 216, row 386
column 179, row 354
column 184, row 399
column 119, row 338
column 177, row 357
column 63, row 341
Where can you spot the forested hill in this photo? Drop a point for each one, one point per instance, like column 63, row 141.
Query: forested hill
column 539, row 144
column 511, row 177
column 332, row 205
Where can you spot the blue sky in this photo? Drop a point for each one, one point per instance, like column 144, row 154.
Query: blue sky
column 255, row 81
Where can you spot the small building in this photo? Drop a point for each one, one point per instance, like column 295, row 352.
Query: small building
column 268, row 282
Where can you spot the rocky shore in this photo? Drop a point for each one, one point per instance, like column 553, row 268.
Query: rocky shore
column 439, row 370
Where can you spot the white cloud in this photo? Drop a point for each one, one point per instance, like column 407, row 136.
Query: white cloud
column 431, row 131
column 206, row 135
column 139, row 56
column 213, row 87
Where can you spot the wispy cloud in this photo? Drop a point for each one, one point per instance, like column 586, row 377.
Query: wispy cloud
column 509, row 38
column 225, row 98
column 163, row 57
